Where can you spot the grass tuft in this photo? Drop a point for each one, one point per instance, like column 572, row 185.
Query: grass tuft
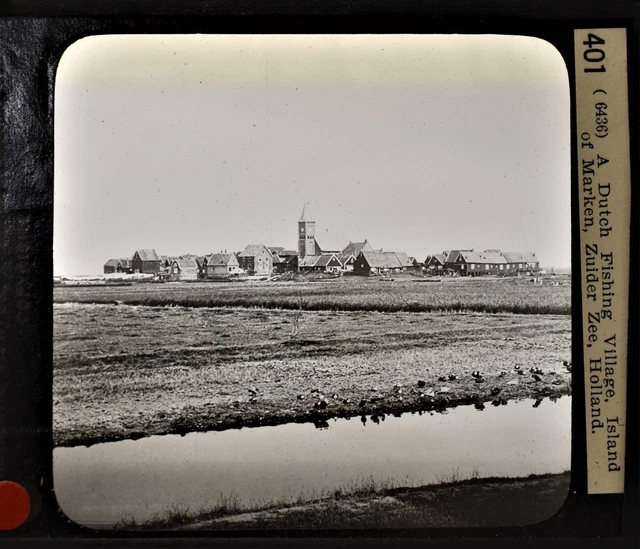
column 516, row 296
column 367, row 502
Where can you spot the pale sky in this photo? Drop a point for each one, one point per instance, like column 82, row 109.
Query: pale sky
column 418, row 143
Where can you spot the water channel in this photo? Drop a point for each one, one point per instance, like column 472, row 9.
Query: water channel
column 98, row 485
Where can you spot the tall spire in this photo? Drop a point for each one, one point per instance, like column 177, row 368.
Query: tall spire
column 303, row 217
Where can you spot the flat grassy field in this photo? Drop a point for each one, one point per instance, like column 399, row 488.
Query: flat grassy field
column 405, row 293
column 123, row 371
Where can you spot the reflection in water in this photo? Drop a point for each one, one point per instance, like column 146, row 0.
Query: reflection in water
column 102, row 483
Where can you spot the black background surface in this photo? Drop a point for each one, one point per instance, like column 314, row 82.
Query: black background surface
column 33, row 37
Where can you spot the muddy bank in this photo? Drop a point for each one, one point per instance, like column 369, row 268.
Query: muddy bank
column 373, row 403
column 465, row 503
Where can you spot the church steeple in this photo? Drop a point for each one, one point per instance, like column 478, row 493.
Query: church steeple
column 306, row 235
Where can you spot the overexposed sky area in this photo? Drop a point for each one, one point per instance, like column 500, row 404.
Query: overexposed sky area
column 418, row 143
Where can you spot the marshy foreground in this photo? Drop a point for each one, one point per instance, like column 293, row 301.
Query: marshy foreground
column 133, row 364
column 126, row 371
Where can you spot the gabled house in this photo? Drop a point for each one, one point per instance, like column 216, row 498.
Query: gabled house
column 435, row 263
column 126, row 265
column 184, row 269
column 351, row 251
column 416, row 266
column 451, row 257
column 112, row 266
column 522, row 262
column 285, row 261
column 256, row 259
column 201, row 261
column 472, row 263
column 368, row 263
column 145, row 261
column 222, row 265
column 166, row 261
column 325, row 263
column 328, row 263
column 307, row 263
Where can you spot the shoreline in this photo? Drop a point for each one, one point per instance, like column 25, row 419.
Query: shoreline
column 256, row 418
column 470, row 502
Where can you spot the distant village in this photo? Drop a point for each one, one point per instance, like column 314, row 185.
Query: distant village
column 356, row 258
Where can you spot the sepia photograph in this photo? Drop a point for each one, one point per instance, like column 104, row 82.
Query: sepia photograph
column 311, row 281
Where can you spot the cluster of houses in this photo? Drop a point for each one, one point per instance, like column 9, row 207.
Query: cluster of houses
column 358, row 258
column 488, row 262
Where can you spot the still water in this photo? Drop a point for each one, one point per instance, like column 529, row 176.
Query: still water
column 99, row 485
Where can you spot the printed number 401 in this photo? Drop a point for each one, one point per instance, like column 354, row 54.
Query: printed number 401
column 593, row 54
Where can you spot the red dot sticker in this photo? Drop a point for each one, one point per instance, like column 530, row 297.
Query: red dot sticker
column 15, row 505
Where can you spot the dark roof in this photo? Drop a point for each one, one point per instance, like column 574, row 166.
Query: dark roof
column 112, row 263
column 285, row 253
column 148, row 255
column 222, row 259
column 492, row 257
column 520, row 257
column 325, row 259
column 383, row 260
column 251, row 250
column 440, row 258
column 308, row 261
column 126, row 262
column 289, row 259
column 354, row 248
column 187, row 263
column 198, row 259
column 404, row 259
column 451, row 255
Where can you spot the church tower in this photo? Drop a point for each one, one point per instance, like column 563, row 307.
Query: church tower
column 306, row 236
